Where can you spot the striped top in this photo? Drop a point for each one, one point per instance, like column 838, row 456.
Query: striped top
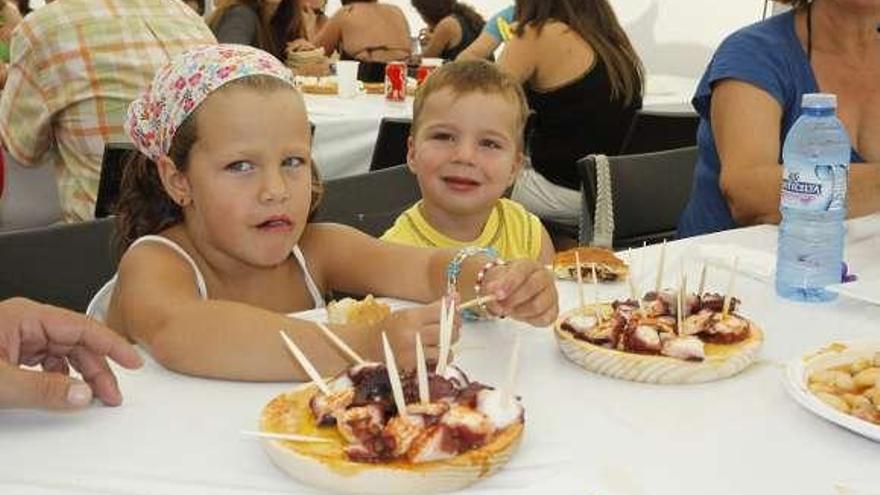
column 510, row 229
column 75, row 67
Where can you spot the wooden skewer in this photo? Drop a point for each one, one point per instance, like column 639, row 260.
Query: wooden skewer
column 394, row 378
column 340, row 344
column 582, row 304
column 422, row 372
column 680, row 308
column 286, row 436
column 306, row 364
column 702, row 285
column 727, row 297
column 477, row 301
column 659, row 282
column 598, row 307
column 446, row 317
column 513, row 364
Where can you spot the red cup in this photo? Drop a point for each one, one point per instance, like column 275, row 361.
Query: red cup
column 423, row 72
column 395, row 81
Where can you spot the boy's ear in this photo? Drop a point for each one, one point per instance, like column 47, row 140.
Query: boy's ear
column 518, row 163
column 175, row 182
column 410, row 154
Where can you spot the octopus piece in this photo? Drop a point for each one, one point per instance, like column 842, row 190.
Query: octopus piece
column 579, row 324
column 696, row 323
column 502, row 413
column 326, row 407
column 715, row 302
column 468, row 428
column 687, row 348
column 726, row 330
column 642, row 338
column 467, row 396
column 403, row 430
column 429, row 413
column 359, row 424
column 666, row 324
column 654, row 305
column 433, row 444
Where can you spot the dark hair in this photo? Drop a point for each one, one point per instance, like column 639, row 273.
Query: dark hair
column 434, row 11
column 24, row 7
column 596, row 23
column 273, row 33
column 472, row 76
column 144, row 207
column 795, row 4
column 347, row 2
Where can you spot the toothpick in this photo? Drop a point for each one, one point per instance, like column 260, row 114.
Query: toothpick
column 477, row 301
column 659, row 283
column 580, row 283
column 447, row 315
column 598, row 308
column 680, row 308
column 730, row 285
column 306, row 364
column 513, row 364
column 702, row 285
column 291, row 437
column 340, row 344
column 422, row 372
column 394, row 378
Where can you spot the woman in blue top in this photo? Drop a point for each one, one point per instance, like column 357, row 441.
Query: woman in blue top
column 750, row 96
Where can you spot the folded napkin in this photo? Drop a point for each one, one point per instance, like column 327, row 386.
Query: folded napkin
column 753, row 263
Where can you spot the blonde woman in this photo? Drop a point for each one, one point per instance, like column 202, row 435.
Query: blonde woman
column 750, row 96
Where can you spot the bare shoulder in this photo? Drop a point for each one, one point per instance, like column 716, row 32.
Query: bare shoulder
column 328, row 240
column 157, row 265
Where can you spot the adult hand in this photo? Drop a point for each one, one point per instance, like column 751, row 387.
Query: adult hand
column 524, row 290
column 57, row 340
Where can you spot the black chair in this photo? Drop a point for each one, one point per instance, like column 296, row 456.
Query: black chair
column 390, row 148
column 64, row 265
column 369, row 202
column 116, row 156
column 648, row 192
column 652, row 131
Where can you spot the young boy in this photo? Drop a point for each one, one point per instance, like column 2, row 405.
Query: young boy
column 466, row 148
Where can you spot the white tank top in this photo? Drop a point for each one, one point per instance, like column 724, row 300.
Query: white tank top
column 101, row 302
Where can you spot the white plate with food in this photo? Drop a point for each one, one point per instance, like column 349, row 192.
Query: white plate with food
column 840, row 383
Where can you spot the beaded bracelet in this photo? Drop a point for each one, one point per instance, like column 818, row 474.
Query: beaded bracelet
column 478, row 286
column 453, row 269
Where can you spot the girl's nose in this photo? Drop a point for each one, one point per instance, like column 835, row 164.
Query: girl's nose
column 274, row 187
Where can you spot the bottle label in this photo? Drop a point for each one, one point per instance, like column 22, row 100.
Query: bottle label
column 822, row 188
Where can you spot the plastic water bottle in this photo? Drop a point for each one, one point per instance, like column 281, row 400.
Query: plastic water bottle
column 816, row 158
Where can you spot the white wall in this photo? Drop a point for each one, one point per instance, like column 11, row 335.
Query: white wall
column 674, row 37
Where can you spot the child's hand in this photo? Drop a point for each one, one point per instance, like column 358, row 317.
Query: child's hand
column 401, row 327
column 525, row 290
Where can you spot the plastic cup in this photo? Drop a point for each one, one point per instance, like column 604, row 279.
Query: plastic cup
column 346, row 78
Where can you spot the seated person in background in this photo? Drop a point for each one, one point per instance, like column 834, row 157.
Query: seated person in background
column 452, row 27
column 750, row 96
column 213, row 224
column 584, row 82
column 367, row 31
column 265, row 24
column 466, row 149
column 57, row 340
column 316, row 18
column 498, row 29
column 67, row 92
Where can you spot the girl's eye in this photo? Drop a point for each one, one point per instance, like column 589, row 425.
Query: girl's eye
column 241, row 166
column 442, row 136
column 489, row 143
column 292, row 162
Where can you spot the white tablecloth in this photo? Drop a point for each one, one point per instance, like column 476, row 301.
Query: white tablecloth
column 585, row 434
column 346, row 128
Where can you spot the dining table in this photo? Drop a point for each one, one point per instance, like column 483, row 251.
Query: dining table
column 346, row 128
column 584, row 433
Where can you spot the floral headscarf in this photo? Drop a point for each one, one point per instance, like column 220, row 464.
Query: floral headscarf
column 183, row 84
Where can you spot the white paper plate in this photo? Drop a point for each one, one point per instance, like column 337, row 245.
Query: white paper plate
column 863, row 290
column 838, row 353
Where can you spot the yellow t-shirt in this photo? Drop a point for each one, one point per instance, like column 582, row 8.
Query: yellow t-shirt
column 510, row 230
